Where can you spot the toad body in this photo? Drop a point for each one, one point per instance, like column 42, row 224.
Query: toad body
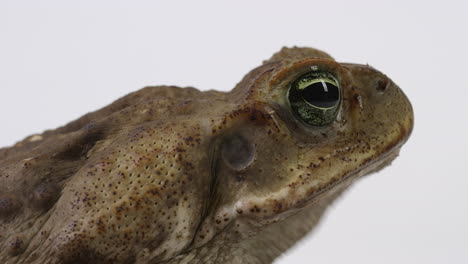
column 175, row 175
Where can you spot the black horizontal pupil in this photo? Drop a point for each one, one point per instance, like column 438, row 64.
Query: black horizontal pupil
column 321, row 94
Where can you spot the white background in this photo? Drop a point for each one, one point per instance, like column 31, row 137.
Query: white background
column 60, row 59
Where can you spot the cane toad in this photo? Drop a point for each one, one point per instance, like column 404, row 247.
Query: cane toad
column 176, row 175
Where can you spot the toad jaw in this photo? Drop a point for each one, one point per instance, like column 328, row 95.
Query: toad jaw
column 309, row 173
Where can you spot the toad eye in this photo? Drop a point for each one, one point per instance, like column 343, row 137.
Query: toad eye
column 315, row 98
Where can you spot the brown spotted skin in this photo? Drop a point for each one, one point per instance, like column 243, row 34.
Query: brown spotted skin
column 175, row 175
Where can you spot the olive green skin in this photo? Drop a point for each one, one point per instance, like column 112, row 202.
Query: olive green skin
column 175, row 175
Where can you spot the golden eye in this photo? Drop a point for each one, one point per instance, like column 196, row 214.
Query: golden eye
column 315, row 98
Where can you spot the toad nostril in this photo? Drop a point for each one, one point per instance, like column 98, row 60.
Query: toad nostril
column 382, row 85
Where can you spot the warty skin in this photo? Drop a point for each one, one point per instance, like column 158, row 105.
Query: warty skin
column 176, row 175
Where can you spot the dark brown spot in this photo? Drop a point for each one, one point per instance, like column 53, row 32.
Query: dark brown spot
column 101, row 226
column 8, row 206
column 178, row 149
column 16, row 246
